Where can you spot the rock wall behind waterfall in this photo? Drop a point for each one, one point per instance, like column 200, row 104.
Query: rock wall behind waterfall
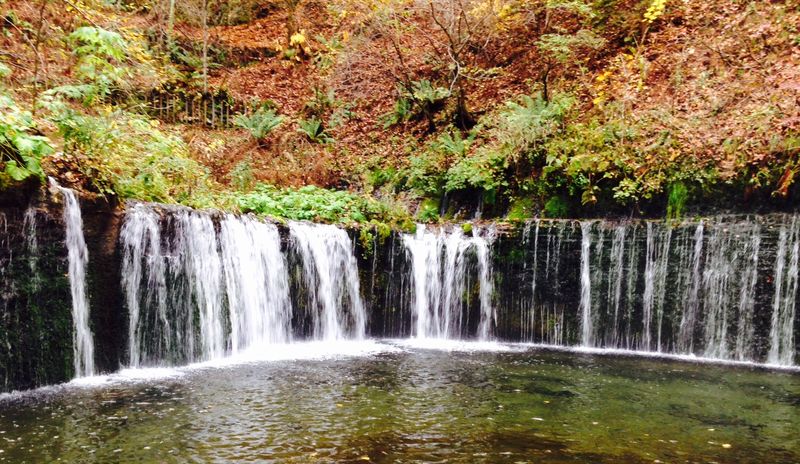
column 169, row 285
column 35, row 319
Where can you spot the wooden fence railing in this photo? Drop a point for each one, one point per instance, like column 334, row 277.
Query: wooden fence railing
column 207, row 109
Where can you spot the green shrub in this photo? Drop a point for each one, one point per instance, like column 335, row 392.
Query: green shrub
column 21, row 151
column 527, row 124
column 521, row 209
column 241, row 175
column 311, row 203
column 402, row 112
column 260, row 123
column 421, row 98
column 486, row 170
column 128, row 155
column 557, row 207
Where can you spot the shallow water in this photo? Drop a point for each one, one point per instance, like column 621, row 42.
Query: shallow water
column 405, row 402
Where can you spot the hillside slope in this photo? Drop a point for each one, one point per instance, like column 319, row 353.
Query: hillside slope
column 511, row 107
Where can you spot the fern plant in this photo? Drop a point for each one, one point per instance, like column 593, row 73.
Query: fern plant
column 314, row 130
column 260, row 123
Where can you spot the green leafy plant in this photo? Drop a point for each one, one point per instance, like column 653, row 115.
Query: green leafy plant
column 428, row 210
column 128, row 155
column 311, row 203
column 314, row 130
column 556, row 207
column 260, row 123
column 526, row 124
column 426, row 94
column 21, row 149
column 241, row 175
column 322, row 102
column 100, row 53
column 485, row 170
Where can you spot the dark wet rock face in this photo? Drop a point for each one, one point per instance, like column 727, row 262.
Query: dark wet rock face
column 723, row 288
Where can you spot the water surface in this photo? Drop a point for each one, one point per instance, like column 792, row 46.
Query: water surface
column 400, row 402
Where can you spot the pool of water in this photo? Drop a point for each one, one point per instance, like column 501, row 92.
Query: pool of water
column 403, row 402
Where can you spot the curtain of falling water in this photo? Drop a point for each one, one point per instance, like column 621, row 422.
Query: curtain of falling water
column 194, row 293
column 440, row 262
column 83, row 344
column 331, row 278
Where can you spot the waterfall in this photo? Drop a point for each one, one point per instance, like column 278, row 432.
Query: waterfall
column 331, row 277
column 587, row 325
column 529, row 322
column 144, row 282
column 200, row 285
column 440, row 264
column 200, row 263
column 32, row 247
column 488, row 311
column 82, row 343
column 781, row 335
column 655, row 277
column 728, row 284
column 257, row 283
column 615, row 278
column 685, row 342
column 195, row 294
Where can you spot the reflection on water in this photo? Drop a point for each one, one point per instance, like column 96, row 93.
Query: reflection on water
column 418, row 405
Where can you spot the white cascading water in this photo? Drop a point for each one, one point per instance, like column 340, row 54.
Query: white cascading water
column 616, row 272
column 655, row 279
column 696, row 293
column 144, row 282
column 781, row 335
column 729, row 280
column 32, row 246
column 439, row 263
column 587, row 325
column 201, row 264
column 689, row 315
column 331, row 277
column 256, row 281
column 82, row 341
column 198, row 295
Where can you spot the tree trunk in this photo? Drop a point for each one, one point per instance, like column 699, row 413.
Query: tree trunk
column 170, row 25
column 205, row 46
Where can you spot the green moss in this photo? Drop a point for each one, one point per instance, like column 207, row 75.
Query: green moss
column 676, row 200
column 367, row 239
column 383, row 230
column 521, row 209
column 466, row 228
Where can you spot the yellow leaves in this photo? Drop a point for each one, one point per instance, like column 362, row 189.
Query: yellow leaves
column 602, row 81
column 604, row 76
column 298, row 38
column 503, row 13
column 655, row 11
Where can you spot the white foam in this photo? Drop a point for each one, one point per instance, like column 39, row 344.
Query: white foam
column 655, row 355
column 298, row 351
column 442, row 344
column 131, row 375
